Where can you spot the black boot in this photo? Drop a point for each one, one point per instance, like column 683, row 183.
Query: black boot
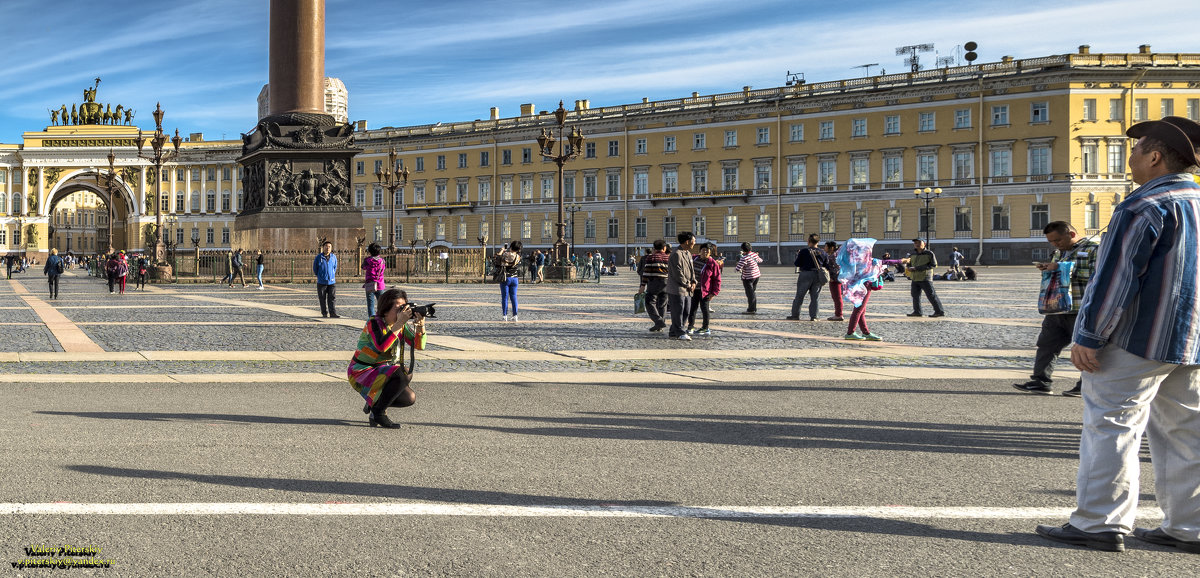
column 381, row 420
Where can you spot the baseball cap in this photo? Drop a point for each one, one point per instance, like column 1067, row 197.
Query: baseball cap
column 1177, row 133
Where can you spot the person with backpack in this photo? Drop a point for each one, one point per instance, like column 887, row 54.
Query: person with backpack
column 143, row 270
column 54, row 267
column 122, row 270
column 111, row 266
column 373, row 268
column 235, row 268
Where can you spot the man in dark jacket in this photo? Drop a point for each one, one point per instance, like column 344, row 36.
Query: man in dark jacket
column 920, row 263
column 654, row 283
column 810, row 261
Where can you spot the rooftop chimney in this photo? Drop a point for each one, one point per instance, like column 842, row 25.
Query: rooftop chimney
column 527, row 109
column 1085, row 49
column 495, row 115
column 1144, row 49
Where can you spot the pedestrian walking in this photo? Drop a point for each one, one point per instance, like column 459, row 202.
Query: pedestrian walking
column 111, row 266
column 235, row 268
column 54, row 267
column 835, row 285
column 1058, row 329
column 507, row 261
column 654, row 284
column 228, row 278
column 587, row 266
column 9, row 260
column 540, row 262
column 122, row 270
column 811, row 262
column 325, row 268
column 708, row 286
column 919, row 265
column 259, row 270
column 956, row 259
column 597, row 265
column 681, row 281
column 1135, row 342
column 143, row 271
column 373, row 268
column 377, row 370
column 747, row 266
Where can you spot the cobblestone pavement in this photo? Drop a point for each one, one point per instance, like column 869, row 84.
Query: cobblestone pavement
column 995, row 313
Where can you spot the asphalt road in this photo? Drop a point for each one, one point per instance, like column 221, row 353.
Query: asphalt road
column 487, row 453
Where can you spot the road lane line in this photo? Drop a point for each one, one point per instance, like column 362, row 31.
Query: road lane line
column 547, row 511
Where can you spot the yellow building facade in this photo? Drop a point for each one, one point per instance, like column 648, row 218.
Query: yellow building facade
column 1011, row 145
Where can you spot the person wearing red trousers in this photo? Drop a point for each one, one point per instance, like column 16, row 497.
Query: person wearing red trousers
column 835, row 285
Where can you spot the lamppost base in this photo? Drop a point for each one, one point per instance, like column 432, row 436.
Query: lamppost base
column 562, row 252
column 558, row 273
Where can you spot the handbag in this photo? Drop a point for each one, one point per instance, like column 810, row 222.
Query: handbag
column 639, row 303
column 1055, row 297
column 822, row 273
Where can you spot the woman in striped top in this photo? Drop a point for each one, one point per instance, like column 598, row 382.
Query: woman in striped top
column 748, row 267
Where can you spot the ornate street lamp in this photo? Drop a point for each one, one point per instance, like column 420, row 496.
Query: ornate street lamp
column 394, row 177
column 928, row 195
column 157, row 142
column 111, row 186
column 568, row 149
column 572, row 209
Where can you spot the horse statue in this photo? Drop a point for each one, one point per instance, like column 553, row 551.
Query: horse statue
column 117, row 114
column 74, row 115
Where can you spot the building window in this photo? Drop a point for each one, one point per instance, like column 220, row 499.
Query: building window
column 527, row 189
column 614, row 185
column 360, row 197
column 699, row 141
column 505, row 157
column 893, row 170
column 731, row 225
column 731, row 138
column 700, row 180
column 796, row 175
column 1039, row 217
column 670, row 181
column 180, row 175
column 547, row 229
column 669, row 144
column 195, row 174
column 1000, row 115
column 962, row 118
column 1116, row 109
column 1116, row 158
column 179, row 236
column 527, row 154
column 729, row 178
column 1089, row 109
column 208, row 236
column 614, row 230
column 1091, row 216
column 419, row 195
column 569, row 187
column 762, row 225
column 827, row 223
column 460, row 188
column 858, row 128
column 614, row 148
column 928, row 219
column 796, row 224
column 225, row 201
column 999, row 254
column 420, row 164
column 485, row 191
column 506, row 190
column 858, row 221
column 762, row 177
column 360, row 168
column 526, row 229
column 891, row 220
column 826, row 173
column 589, row 150
column 891, row 124
column 195, row 201
column 210, row 201
column 378, row 196
column 796, row 133
column 964, row 167
column 1001, row 164
column 927, row 167
column 419, row 231
column 1167, row 107
column 180, row 206
column 825, row 131
column 639, row 146
column 700, row 226
column 547, row 187
column 439, row 193
column 1039, row 112
column 669, row 227
column 1039, row 161
column 925, row 122
column 763, row 135
column 589, row 187
column 505, row 230
column 641, row 184
column 1193, row 108
column 485, row 230
column 962, row 218
column 378, row 167
column 485, row 158
column 1088, row 154
column 589, row 228
column 860, row 172
column 1000, row 220
column 639, row 227
column 224, row 235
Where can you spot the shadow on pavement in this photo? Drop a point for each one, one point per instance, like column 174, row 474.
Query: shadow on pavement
column 805, row 433
column 264, row 419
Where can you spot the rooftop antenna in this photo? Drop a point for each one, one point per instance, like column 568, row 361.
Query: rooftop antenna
column 867, row 67
column 796, row 78
column 945, row 61
column 912, row 50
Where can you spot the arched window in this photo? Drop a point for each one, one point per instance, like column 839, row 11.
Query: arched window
column 3, row 204
column 210, row 202
column 16, row 204
column 225, row 200
column 195, row 201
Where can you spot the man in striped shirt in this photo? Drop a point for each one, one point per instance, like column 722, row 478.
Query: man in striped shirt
column 1137, row 340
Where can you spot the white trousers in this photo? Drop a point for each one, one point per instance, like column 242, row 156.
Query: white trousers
column 1127, row 396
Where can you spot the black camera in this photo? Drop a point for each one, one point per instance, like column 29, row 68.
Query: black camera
column 423, row 310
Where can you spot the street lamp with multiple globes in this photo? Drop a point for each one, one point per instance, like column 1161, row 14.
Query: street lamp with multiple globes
column 393, row 178
column 110, row 184
column 572, row 209
column 157, row 142
column 928, row 195
column 568, row 149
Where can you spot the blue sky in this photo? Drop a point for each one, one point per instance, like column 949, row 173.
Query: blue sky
column 408, row 63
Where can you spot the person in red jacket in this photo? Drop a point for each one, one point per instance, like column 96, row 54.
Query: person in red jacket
column 708, row 285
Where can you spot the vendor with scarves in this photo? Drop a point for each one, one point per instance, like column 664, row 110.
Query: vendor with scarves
column 377, row 370
column 860, row 274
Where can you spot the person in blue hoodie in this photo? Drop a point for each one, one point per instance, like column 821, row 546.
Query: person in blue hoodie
column 325, row 268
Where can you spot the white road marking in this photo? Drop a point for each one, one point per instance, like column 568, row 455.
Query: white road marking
column 572, row 511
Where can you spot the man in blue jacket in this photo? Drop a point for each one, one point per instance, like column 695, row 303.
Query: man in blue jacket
column 1135, row 342
column 325, row 268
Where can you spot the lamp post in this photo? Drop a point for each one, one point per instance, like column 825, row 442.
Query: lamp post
column 20, row 234
column 483, row 254
column 392, row 178
column 110, row 184
column 568, row 149
column 157, row 142
column 572, row 209
column 928, row 195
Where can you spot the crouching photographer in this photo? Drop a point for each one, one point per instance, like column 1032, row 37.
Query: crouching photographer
column 377, row 369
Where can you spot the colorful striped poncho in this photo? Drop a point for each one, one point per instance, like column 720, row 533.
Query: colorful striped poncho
column 379, row 356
